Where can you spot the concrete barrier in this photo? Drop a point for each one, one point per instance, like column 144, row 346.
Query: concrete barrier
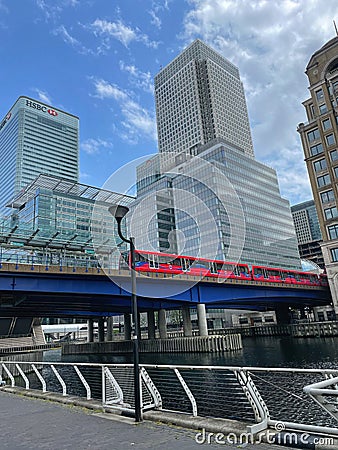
column 195, row 344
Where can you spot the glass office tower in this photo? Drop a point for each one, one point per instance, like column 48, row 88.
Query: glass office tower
column 228, row 208
column 36, row 138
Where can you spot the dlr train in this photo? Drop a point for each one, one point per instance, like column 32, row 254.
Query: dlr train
column 177, row 264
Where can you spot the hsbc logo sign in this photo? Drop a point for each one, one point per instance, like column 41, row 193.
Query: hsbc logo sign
column 6, row 119
column 41, row 108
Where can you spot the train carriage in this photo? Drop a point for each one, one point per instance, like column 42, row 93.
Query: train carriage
column 146, row 261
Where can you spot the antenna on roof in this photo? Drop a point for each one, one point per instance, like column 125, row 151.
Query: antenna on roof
column 335, row 27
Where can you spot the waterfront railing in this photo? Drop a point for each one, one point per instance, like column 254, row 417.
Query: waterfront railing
column 288, row 398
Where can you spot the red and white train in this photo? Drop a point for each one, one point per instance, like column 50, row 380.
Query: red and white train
column 177, row 264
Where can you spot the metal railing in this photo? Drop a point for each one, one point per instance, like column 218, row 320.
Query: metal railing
column 300, row 399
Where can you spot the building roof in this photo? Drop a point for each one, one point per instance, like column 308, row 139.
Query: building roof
column 66, row 187
column 331, row 43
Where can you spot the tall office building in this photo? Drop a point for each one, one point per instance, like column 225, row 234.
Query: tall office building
column 308, row 233
column 36, row 138
column 320, row 144
column 199, row 98
column 201, row 111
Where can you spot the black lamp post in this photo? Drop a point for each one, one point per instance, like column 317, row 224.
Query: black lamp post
column 119, row 211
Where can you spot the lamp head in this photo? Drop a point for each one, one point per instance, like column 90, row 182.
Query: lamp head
column 118, row 211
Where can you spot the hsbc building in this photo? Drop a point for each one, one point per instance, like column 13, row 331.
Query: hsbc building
column 36, row 138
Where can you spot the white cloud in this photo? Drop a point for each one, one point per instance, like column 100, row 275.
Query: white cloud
column 70, row 40
column 94, row 146
column 137, row 123
column 271, row 43
column 43, row 96
column 155, row 20
column 138, row 78
column 122, row 32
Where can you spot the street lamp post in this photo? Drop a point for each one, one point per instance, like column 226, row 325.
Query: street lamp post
column 119, row 211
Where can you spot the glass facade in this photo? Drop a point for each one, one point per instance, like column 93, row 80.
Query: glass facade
column 64, row 219
column 268, row 230
column 34, row 139
column 258, row 229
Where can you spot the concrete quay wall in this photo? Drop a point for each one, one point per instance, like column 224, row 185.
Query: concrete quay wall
column 309, row 329
column 196, row 344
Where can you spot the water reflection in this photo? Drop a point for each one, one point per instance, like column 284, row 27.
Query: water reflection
column 260, row 351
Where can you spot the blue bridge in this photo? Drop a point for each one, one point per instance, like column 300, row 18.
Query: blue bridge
column 28, row 290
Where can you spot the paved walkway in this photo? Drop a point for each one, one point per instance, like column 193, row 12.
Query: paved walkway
column 28, row 423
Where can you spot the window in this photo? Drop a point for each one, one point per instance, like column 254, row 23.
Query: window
column 323, row 180
column 330, row 139
column 334, row 254
column 316, row 149
column 327, row 196
column 320, row 94
column 320, row 165
column 334, row 155
column 335, row 169
column 313, row 135
column 323, row 109
column 327, row 124
column 331, row 213
column 333, row 231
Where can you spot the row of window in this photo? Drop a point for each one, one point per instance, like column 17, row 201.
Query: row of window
column 314, row 135
column 324, row 180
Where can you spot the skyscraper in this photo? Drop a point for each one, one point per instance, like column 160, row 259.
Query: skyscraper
column 308, row 232
column 36, row 138
column 199, row 98
column 320, row 144
column 201, row 111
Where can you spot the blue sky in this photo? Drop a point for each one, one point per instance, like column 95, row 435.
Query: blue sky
column 97, row 59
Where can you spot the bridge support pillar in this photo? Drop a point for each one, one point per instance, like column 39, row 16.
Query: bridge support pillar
column 187, row 326
column 162, row 323
column 90, row 330
column 101, row 329
column 151, row 324
column 110, row 328
column 282, row 314
column 202, row 319
column 127, row 327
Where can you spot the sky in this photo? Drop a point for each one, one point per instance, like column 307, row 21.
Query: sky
column 97, row 59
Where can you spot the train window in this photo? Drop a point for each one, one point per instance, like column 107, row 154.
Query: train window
column 139, row 257
column 213, row 267
column 243, row 269
column 229, row 267
column 273, row 273
column 258, row 271
column 165, row 259
column 200, row 264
